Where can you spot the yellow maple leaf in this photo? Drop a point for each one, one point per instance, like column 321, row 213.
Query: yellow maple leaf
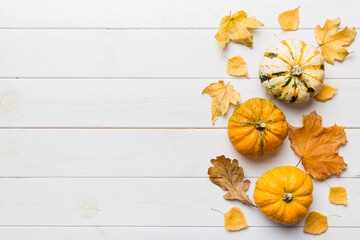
column 235, row 28
column 289, row 20
column 222, row 96
column 337, row 195
column 237, row 67
column 315, row 223
column 326, row 93
column 332, row 42
column 234, row 219
column 318, row 147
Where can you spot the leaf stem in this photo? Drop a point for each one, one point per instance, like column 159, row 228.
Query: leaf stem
column 327, row 183
column 225, row 56
column 299, row 161
column 215, row 210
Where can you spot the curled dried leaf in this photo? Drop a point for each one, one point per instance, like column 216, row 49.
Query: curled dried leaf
column 289, row 20
column 337, row 195
column 332, row 42
column 236, row 28
column 326, row 92
column 315, row 223
column 318, row 147
column 237, row 67
column 229, row 176
column 222, row 96
column 234, row 219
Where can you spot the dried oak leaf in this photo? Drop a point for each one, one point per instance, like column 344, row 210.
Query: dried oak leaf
column 237, row 67
column 228, row 175
column 332, row 42
column 326, row 92
column 234, row 219
column 318, row 147
column 289, row 20
column 315, row 223
column 337, row 195
column 235, row 28
column 222, row 96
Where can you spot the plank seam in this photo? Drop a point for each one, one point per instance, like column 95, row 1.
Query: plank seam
column 146, row 78
column 149, row 226
column 125, row 128
column 143, row 28
column 136, row 177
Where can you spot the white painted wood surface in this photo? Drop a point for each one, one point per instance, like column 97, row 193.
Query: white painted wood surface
column 164, row 53
column 160, row 103
column 104, row 133
column 146, row 202
column 163, row 14
column 137, row 153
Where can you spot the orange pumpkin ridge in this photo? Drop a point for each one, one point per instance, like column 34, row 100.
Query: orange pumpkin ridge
column 257, row 127
column 284, row 194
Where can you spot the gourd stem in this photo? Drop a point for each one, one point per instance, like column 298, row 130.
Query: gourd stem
column 287, row 197
column 260, row 125
column 296, row 70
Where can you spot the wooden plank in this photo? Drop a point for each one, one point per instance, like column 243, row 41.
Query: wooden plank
column 148, row 103
column 137, row 153
column 175, row 233
column 145, row 202
column 139, row 53
column 162, row 14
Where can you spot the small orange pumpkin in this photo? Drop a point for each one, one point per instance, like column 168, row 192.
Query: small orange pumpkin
column 284, row 194
column 257, row 127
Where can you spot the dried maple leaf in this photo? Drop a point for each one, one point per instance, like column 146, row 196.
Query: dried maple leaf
column 237, row 67
column 222, row 96
column 315, row 223
column 234, row 219
column 228, row 175
column 337, row 195
column 326, row 92
column 318, row 147
column 332, row 42
column 289, row 20
column 235, row 28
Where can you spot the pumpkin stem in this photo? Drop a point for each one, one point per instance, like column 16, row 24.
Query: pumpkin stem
column 287, row 197
column 260, row 125
column 296, row 70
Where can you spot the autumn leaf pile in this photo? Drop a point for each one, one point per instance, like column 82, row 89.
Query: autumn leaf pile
column 316, row 146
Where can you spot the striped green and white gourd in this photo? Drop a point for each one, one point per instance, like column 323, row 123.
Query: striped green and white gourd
column 292, row 71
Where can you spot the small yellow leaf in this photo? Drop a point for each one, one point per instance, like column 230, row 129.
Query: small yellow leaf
column 234, row 219
column 327, row 92
column 222, row 96
column 315, row 223
column 235, row 28
column 237, row 67
column 337, row 195
column 332, row 42
column 289, row 20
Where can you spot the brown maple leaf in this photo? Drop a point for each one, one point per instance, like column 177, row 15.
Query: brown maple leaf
column 228, row 175
column 318, row 147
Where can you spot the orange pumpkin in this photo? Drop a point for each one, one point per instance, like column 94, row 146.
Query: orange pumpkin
column 284, row 194
column 257, row 127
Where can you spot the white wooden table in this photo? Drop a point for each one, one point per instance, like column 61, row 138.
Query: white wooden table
column 104, row 131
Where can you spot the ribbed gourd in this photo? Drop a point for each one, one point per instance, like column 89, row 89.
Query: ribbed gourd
column 257, row 127
column 292, row 71
column 284, row 194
